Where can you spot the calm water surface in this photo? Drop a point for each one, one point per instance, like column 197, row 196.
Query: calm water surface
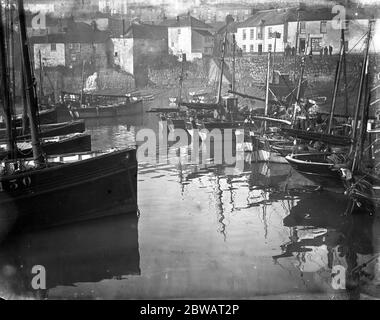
column 201, row 233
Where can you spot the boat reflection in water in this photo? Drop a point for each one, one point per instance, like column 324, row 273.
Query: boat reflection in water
column 324, row 239
column 90, row 251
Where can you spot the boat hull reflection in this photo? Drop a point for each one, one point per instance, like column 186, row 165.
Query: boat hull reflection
column 89, row 251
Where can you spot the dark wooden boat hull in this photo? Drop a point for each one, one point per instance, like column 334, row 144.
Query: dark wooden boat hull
column 45, row 117
column 313, row 167
column 77, row 143
column 50, row 130
column 68, row 192
column 126, row 109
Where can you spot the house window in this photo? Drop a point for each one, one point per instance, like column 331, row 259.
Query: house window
column 346, row 25
column 269, row 32
column 260, row 33
column 251, row 48
column 53, row 47
column 323, row 27
column 244, row 48
column 302, row 26
column 316, row 44
column 251, row 34
column 269, row 47
column 244, row 34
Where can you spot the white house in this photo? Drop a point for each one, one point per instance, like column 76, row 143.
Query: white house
column 274, row 30
column 262, row 32
column 191, row 36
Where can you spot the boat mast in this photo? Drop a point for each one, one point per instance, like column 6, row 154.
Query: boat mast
column 297, row 37
column 336, row 82
column 361, row 85
column 298, row 96
column 24, row 100
column 30, row 88
column 363, row 78
column 233, row 62
column 82, row 85
column 267, row 91
column 345, row 74
column 222, row 69
column 6, row 94
column 181, row 80
column 40, row 74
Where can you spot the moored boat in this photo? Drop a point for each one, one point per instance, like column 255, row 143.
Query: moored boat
column 68, row 188
column 47, row 191
column 75, row 142
column 101, row 106
column 318, row 167
column 49, row 130
column 46, row 116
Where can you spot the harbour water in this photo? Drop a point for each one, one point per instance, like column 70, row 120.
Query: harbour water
column 201, row 232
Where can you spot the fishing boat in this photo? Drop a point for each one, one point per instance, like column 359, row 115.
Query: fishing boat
column 75, row 142
column 48, row 130
column 318, row 167
column 46, row 116
column 47, row 191
column 322, row 167
column 87, row 106
column 361, row 174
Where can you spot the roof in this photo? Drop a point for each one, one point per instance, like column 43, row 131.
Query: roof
column 50, row 20
column 270, row 17
column 78, row 32
column 185, row 21
column 231, row 27
column 204, row 33
column 290, row 14
column 147, row 31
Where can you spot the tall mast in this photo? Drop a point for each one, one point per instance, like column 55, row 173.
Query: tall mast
column 267, row 91
column 40, row 74
column 30, row 88
column 82, row 85
column 336, row 82
column 298, row 96
column 297, row 36
column 233, row 62
column 11, row 52
column 363, row 78
column 5, row 93
column 25, row 119
column 345, row 74
column 361, row 85
column 222, row 68
column 181, row 80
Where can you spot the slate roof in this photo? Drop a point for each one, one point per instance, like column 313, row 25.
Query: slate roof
column 78, row 32
column 185, row 21
column 147, row 31
column 204, row 33
column 280, row 16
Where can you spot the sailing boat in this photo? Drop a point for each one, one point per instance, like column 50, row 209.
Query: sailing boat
column 58, row 144
column 361, row 174
column 320, row 166
column 46, row 191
